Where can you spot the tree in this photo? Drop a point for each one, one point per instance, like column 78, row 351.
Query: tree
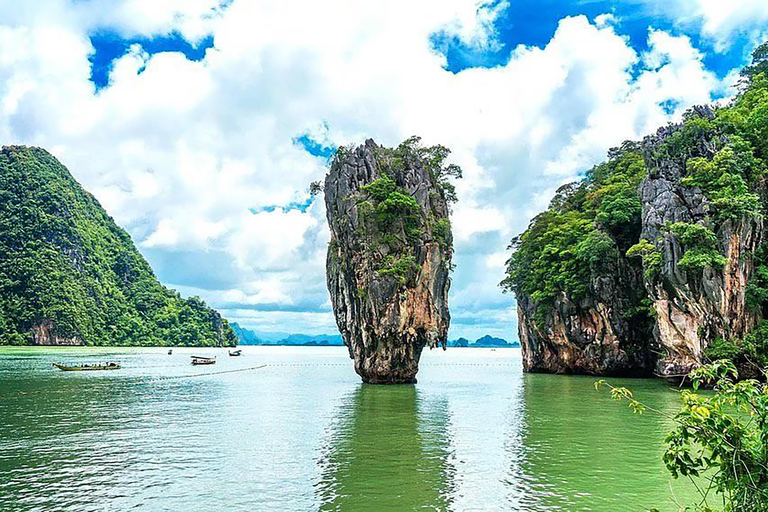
column 759, row 62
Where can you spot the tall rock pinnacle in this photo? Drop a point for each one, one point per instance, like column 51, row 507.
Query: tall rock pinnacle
column 390, row 252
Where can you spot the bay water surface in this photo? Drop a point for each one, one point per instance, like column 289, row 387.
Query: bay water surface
column 297, row 430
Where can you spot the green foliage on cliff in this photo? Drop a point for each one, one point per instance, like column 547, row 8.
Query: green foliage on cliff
column 588, row 223
column 700, row 245
column 725, row 180
column 650, row 256
column 586, row 228
column 441, row 230
column 392, row 221
column 748, row 352
column 395, row 210
column 400, row 267
column 66, row 267
column 431, row 157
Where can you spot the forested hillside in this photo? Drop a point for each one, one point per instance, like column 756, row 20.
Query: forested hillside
column 70, row 275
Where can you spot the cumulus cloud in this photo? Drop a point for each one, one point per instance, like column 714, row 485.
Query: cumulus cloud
column 187, row 155
column 718, row 20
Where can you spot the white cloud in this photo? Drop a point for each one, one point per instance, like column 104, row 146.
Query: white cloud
column 721, row 18
column 179, row 152
column 718, row 20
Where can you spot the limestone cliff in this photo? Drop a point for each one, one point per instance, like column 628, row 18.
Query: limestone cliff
column 695, row 306
column 656, row 256
column 593, row 335
column 389, row 256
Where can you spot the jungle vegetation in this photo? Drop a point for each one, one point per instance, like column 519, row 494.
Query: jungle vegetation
column 392, row 220
column 66, row 266
column 593, row 222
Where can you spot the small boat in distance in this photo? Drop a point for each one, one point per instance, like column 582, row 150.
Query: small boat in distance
column 170, row 351
column 236, row 353
column 196, row 360
column 86, row 367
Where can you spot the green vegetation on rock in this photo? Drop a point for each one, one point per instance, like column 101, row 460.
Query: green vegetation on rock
column 590, row 222
column 70, row 275
column 700, row 244
column 391, row 220
column 587, row 226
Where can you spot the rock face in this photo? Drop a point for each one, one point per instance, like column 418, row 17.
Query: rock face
column 609, row 330
column 590, row 336
column 694, row 308
column 44, row 332
column 388, row 260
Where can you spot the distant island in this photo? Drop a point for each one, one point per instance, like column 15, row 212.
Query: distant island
column 250, row 337
column 486, row 341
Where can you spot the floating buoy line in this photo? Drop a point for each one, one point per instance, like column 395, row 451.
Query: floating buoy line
column 305, row 365
column 252, row 368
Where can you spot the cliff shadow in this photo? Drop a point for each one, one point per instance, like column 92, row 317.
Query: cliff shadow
column 387, row 450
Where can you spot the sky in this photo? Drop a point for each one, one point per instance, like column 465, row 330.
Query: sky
column 199, row 124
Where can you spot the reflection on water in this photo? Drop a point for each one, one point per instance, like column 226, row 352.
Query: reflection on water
column 77, row 441
column 583, row 451
column 303, row 434
column 388, row 450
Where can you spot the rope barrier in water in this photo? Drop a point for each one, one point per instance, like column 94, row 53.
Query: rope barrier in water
column 213, row 373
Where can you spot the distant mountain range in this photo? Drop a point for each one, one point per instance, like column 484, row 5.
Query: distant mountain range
column 484, row 342
column 249, row 337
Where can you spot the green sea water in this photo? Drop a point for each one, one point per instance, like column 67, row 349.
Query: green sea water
column 302, row 433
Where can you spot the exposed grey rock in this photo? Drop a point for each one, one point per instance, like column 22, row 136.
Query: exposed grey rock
column 693, row 310
column 386, row 320
column 591, row 336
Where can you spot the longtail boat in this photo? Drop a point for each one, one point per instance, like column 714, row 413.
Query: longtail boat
column 86, row 367
column 236, row 353
column 196, row 360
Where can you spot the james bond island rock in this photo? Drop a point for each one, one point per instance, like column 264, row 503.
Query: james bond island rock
column 70, row 276
column 389, row 257
column 658, row 260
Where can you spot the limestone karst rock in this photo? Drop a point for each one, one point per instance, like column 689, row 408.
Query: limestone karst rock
column 591, row 335
column 389, row 256
column 692, row 309
column 651, row 259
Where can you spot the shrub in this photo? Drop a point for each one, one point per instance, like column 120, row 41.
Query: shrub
column 721, row 438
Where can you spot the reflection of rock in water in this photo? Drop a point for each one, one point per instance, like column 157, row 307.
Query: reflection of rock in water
column 583, row 451
column 388, row 451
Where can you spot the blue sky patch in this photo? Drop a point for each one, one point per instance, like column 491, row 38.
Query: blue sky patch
column 109, row 46
column 669, row 106
column 533, row 23
column 314, row 147
column 293, row 205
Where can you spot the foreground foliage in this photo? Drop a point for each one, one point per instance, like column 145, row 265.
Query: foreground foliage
column 65, row 266
column 720, row 439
